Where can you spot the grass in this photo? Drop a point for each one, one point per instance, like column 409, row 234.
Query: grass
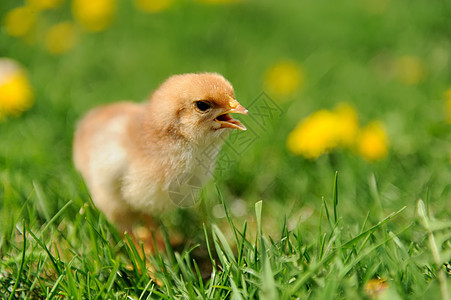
column 271, row 224
column 336, row 264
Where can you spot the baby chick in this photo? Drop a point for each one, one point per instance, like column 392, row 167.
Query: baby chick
column 131, row 154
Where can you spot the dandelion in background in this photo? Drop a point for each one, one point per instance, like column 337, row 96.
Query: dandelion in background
column 314, row 136
column 372, row 143
column 16, row 94
column 326, row 130
column 323, row 131
column 20, row 21
column 448, row 105
column 284, row 79
column 153, row 6
column 94, row 15
column 409, row 70
column 61, row 38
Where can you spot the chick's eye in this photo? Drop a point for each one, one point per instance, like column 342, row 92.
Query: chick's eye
column 203, row 105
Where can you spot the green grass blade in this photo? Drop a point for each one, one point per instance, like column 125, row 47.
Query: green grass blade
column 335, row 195
column 43, row 246
column 258, row 215
column 55, row 287
column 268, row 290
column 71, row 284
column 112, row 277
column 22, row 262
column 326, row 209
column 138, row 262
column 354, row 240
column 167, row 244
column 236, row 295
column 208, row 245
column 43, row 202
column 224, row 245
column 229, row 219
column 424, row 219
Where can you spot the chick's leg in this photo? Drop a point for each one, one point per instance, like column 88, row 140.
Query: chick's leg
column 150, row 234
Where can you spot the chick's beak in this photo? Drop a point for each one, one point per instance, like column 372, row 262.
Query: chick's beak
column 227, row 121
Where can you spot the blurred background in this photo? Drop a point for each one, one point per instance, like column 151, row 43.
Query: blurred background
column 359, row 87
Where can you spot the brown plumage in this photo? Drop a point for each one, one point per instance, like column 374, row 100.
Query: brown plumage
column 129, row 154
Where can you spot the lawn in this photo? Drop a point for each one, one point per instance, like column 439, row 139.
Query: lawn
column 340, row 188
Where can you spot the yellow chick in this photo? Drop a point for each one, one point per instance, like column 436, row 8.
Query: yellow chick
column 131, row 154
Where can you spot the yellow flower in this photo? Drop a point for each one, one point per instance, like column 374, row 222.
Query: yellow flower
column 372, row 143
column 409, row 70
column 60, row 38
column 16, row 94
column 94, row 15
column 324, row 130
column 20, row 21
column 284, row 78
column 314, row 135
column 448, row 105
column 153, row 6
column 44, row 4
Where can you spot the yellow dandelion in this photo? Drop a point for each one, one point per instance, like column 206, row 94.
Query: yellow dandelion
column 94, row 15
column 16, row 94
column 44, row 4
column 372, row 143
column 375, row 287
column 20, row 21
column 315, row 135
column 347, row 125
column 448, row 105
column 61, row 38
column 153, row 6
column 410, row 70
column 324, row 130
column 284, row 79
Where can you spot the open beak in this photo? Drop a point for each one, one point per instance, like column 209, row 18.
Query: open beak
column 227, row 121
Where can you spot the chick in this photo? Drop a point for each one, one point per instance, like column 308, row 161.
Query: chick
column 131, row 154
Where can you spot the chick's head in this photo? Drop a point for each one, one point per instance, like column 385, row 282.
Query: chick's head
column 197, row 106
